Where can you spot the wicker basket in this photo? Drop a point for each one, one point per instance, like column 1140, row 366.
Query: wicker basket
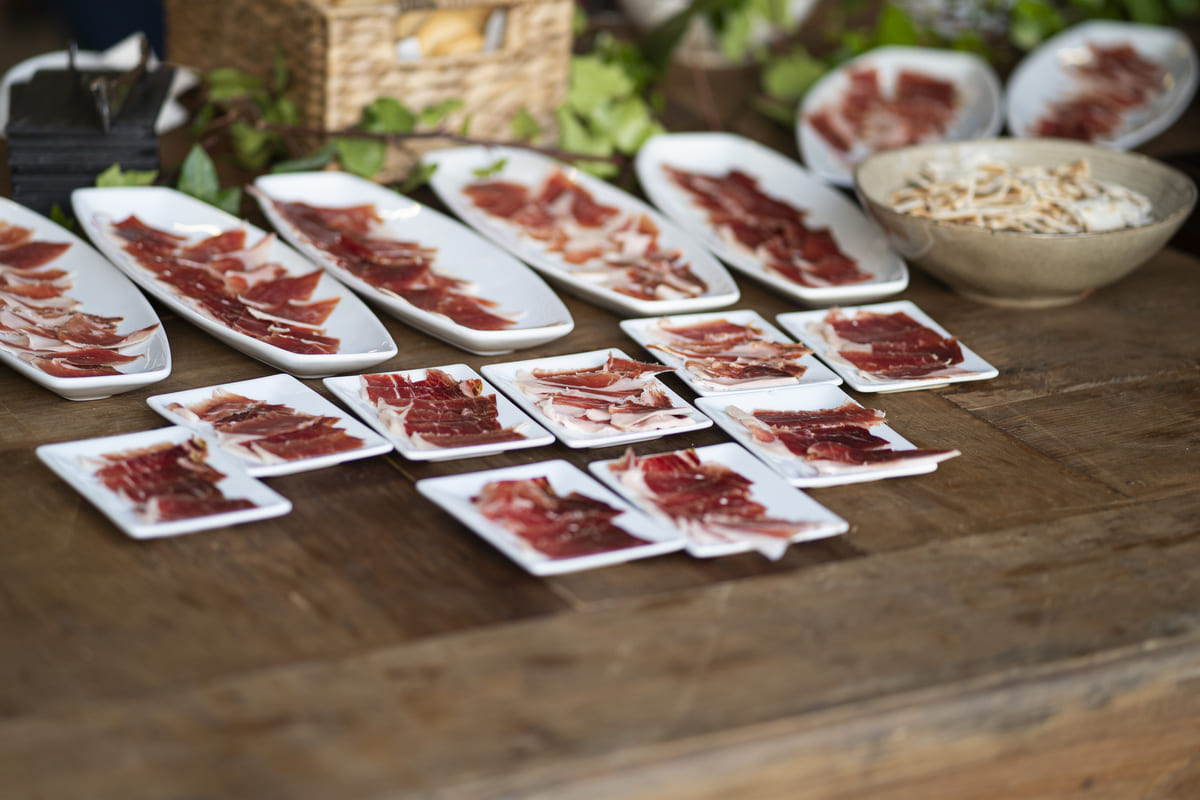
column 342, row 55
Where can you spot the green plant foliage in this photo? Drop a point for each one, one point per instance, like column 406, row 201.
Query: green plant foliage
column 490, row 169
column 198, row 178
column 436, row 114
column 317, row 159
column 62, row 217
column 115, row 176
column 363, row 157
column 417, row 177
column 790, row 76
column 1031, row 22
column 524, row 127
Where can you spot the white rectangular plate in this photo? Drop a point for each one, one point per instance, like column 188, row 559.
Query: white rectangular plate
column 505, row 376
column 456, row 170
column 643, row 331
column 66, row 459
column 461, row 253
column 781, row 499
column 347, row 388
column 276, row 389
column 364, row 340
column 101, row 290
column 979, row 116
column 454, row 493
column 1043, row 77
column 797, row 322
column 781, row 178
column 795, row 469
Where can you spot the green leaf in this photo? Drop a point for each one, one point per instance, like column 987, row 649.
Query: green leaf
column 627, row 122
column 313, row 161
column 282, row 111
column 280, row 77
column 490, row 169
column 417, row 177
column 575, row 137
column 895, row 27
column 202, row 118
column 388, row 115
column 436, row 114
column 780, row 111
column 734, row 35
column 363, row 157
column 226, row 84
column 971, row 42
column 252, row 147
column 662, row 41
column 229, row 200
column 61, row 217
column 524, row 127
column 1185, row 8
column 113, row 176
column 791, row 75
column 465, row 128
column 198, row 175
column 594, row 82
column 1148, row 12
column 579, row 21
column 1031, row 22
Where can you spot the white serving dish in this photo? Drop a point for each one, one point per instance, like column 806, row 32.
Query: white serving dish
column 364, row 340
column 461, row 253
column 66, row 459
column 642, row 331
column 780, row 499
column 456, row 170
column 347, row 388
column 980, row 117
column 781, row 178
column 454, row 493
column 104, row 291
column 275, row 389
column 795, row 469
column 797, row 322
column 1043, row 77
column 505, row 377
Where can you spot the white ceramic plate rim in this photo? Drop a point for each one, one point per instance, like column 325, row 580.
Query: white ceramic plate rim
column 780, row 177
column 64, row 459
column 369, row 342
column 793, row 468
column 796, row 323
column 347, row 389
column 454, row 172
column 779, row 497
column 275, row 389
column 463, row 253
column 639, row 331
column 101, row 289
column 985, row 100
column 453, row 494
column 504, row 376
column 1040, row 78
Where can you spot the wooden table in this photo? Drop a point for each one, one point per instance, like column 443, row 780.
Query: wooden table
column 1025, row 622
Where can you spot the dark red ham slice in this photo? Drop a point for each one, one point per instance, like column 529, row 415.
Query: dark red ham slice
column 438, row 410
column 1115, row 81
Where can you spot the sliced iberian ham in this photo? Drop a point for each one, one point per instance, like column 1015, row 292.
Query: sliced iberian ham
column 770, row 229
column 235, row 285
column 829, row 438
column 41, row 324
column 620, row 395
column 708, row 501
column 889, row 346
column 438, row 410
column 357, row 240
column 553, row 525
column 1114, row 82
column 270, row 433
column 167, row 481
column 615, row 249
column 722, row 354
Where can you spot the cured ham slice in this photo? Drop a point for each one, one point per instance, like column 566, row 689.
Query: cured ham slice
column 438, row 410
column 617, row 250
column 357, row 240
column 830, row 439
column 889, row 346
column 41, row 324
column 708, row 501
column 1113, row 82
column 864, row 120
column 234, row 285
column 769, row 229
column 167, row 482
column 269, row 433
column 553, row 525
column 619, row 396
column 722, row 354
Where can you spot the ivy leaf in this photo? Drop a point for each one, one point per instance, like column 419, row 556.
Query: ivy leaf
column 61, row 217
column 113, row 176
column 593, row 82
column 388, row 115
column 895, row 27
column 524, row 127
column 417, row 177
column 313, row 161
column 227, row 84
column 436, row 114
column 252, row 147
column 198, row 175
column 628, row 123
column 790, row 76
column 280, row 76
column 363, row 157
column 490, row 169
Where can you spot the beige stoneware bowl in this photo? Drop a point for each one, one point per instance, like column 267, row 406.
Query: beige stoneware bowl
column 1026, row 270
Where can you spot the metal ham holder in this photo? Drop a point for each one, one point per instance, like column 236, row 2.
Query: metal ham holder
column 109, row 92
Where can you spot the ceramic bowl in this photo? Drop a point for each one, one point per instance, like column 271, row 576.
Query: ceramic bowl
column 1026, row 270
